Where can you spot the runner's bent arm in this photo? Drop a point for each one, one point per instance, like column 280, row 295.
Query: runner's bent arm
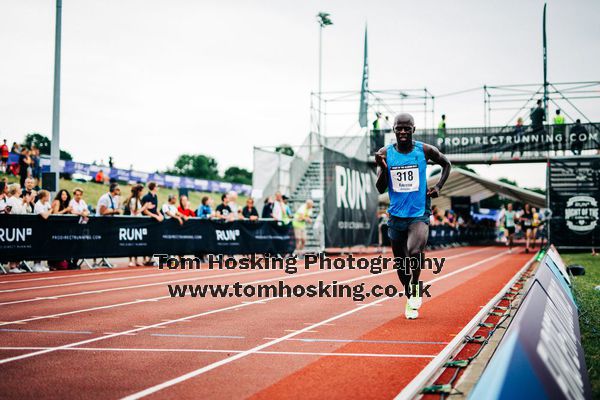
column 382, row 173
column 433, row 154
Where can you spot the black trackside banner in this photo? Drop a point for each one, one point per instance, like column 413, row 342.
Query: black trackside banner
column 30, row 237
column 350, row 201
column 574, row 198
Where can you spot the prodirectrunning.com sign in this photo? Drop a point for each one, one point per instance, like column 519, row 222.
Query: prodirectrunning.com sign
column 350, row 201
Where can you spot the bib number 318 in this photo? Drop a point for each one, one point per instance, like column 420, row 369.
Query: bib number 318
column 405, row 178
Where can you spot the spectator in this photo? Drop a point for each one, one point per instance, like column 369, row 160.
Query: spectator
column 302, row 216
column 24, row 166
column 184, row 207
column 110, row 162
column 205, row 210
column 109, row 203
column 435, row 218
column 223, row 210
column 42, row 207
column 61, row 203
column 386, row 125
column 152, row 197
column 15, row 204
column 99, row 177
column 3, row 194
column 4, row 157
column 449, row 219
column 16, row 148
column 518, row 134
column 537, row 116
column 267, row 211
column 559, row 130
column 36, row 168
column 278, row 207
column 78, row 205
column 250, row 212
column 29, row 191
column 441, row 133
column 134, row 207
column 233, row 197
column 576, row 131
column 169, row 209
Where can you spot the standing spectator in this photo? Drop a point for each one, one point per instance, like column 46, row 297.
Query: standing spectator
column 250, row 212
column 15, row 204
column 302, row 216
column 16, row 148
column 205, row 210
column 169, row 209
column 42, row 207
column 4, row 157
column 134, row 207
column 278, row 207
column 36, row 169
column 61, row 203
column 110, row 162
column 518, row 134
column 29, row 191
column 377, row 135
column 184, row 207
column 109, row 203
column 386, row 126
column 78, row 205
column 152, row 197
column 577, row 144
column 223, row 210
column 559, row 130
column 537, row 116
column 24, row 166
column 267, row 211
column 441, row 133
column 287, row 211
column 233, row 197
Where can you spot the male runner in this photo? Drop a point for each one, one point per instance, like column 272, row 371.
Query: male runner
column 403, row 170
column 509, row 223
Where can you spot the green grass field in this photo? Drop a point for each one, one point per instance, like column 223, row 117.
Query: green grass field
column 588, row 300
column 92, row 192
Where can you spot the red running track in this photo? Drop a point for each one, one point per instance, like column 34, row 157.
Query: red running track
column 118, row 333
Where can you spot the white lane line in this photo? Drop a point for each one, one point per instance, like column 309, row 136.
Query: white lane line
column 46, row 331
column 98, row 281
column 166, row 297
column 285, row 353
column 295, row 330
column 253, row 350
column 197, row 336
column 121, row 270
column 310, row 340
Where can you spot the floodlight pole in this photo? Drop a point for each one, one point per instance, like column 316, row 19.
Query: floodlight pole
column 55, row 145
column 320, row 73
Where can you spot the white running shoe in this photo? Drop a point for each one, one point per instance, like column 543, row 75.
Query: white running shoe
column 16, row 271
column 37, row 267
column 410, row 313
column 415, row 301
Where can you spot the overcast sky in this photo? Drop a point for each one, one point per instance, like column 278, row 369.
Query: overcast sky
column 146, row 80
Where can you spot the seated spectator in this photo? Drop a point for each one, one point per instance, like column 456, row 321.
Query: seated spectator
column 99, row 177
column 152, row 197
column 110, row 203
column 205, row 210
column 15, row 204
column 449, row 219
column 169, row 209
column 267, row 211
column 31, row 192
column 184, row 207
column 78, row 205
column 60, row 204
column 223, row 210
column 249, row 211
column 42, row 207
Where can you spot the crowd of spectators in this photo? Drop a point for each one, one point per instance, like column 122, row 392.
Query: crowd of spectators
column 31, row 200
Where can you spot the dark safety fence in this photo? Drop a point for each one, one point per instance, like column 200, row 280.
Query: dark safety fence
column 30, row 237
column 444, row 235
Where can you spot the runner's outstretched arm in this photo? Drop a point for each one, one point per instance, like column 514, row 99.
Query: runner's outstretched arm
column 382, row 173
column 433, row 154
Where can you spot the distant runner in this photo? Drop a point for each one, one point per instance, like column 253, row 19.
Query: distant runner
column 403, row 170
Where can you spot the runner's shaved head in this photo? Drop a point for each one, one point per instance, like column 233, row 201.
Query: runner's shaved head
column 404, row 119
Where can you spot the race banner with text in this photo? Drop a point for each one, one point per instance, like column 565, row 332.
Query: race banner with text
column 574, row 198
column 350, row 201
column 30, row 237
